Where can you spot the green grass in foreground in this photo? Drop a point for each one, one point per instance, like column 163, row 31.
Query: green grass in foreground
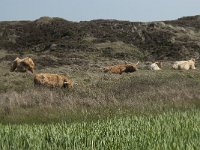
column 172, row 130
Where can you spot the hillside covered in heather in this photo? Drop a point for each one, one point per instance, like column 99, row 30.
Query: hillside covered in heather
column 124, row 40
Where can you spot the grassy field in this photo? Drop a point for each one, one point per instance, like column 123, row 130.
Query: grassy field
column 166, row 131
column 147, row 110
column 140, row 110
column 141, row 92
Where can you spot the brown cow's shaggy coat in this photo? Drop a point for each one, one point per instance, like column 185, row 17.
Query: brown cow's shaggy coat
column 23, row 65
column 52, row 80
column 119, row 69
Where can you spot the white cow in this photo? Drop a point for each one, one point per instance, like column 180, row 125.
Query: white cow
column 184, row 65
column 155, row 66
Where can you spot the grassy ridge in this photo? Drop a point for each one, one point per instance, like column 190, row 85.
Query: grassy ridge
column 172, row 130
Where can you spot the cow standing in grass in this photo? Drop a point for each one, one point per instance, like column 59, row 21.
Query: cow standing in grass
column 52, row 80
column 23, row 65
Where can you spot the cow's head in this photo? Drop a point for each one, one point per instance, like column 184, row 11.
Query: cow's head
column 28, row 66
column 14, row 65
column 159, row 63
column 106, row 69
column 65, row 84
column 68, row 83
column 193, row 59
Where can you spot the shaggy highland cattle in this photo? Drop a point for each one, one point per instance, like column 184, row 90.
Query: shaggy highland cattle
column 155, row 66
column 184, row 65
column 119, row 69
column 23, row 65
column 52, row 80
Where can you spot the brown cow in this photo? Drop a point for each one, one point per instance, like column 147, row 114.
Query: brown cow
column 23, row 65
column 119, row 69
column 52, row 80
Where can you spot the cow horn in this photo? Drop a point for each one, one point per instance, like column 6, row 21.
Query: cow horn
column 65, row 82
column 125, row 62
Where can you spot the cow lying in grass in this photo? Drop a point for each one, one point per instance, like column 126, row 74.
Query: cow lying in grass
column 155, row 66
column 52, row 80
column 184, row 65
column 23, row 65
column 119, row 69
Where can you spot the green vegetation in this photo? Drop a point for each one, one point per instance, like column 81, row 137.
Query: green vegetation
column 140, row 110
column 166, row 131
column 98, row 95
column 119, row 50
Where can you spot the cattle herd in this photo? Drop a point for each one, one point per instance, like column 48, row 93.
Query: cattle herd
column 58, row 80
column 47, row 79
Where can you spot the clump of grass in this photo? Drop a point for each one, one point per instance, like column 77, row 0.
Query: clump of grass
column 15, row 82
